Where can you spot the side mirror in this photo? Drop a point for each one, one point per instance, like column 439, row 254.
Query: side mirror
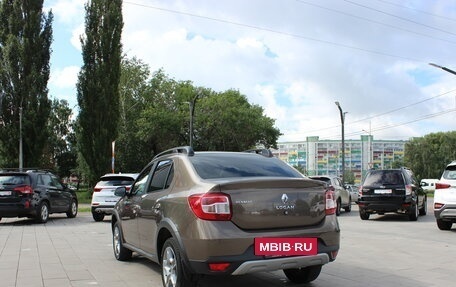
column 120, row 191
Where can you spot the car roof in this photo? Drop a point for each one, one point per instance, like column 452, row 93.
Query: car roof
column 452, row 163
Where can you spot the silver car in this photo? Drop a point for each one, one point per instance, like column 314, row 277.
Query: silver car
column 103, row 197
column 343, row 198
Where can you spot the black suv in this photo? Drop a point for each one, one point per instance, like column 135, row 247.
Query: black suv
column 391, row 190
column 35, row 194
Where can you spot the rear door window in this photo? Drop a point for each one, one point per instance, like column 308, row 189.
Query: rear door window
column 162, row 176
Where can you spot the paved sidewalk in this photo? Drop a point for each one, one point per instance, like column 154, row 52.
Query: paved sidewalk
column 384, row 251
column 64, row 252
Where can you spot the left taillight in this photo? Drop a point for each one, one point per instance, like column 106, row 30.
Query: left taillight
column 211, row 206
column 24, row 189
column 439, row 185
column 330, row 201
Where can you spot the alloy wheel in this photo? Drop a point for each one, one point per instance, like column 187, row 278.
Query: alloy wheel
column 169, row 267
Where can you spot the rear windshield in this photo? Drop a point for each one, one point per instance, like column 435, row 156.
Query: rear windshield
column 115, row 181
column 8, row 179
column 227, row 165
column 384, row 177
column 450, row 172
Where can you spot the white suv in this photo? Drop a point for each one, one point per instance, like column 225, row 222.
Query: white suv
column 445, row 198
column 103, row 198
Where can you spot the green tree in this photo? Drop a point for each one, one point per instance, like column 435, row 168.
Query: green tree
column 162, row 118
column 227, row 121
column 98, row 86
column 61, row 152
column 25, row 48
column 130, row 148
column 427, row 156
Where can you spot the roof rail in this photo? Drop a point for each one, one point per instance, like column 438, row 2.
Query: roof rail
column 188, row 150
column 261, row 151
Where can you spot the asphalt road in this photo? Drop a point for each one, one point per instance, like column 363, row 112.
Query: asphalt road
column 383, row 251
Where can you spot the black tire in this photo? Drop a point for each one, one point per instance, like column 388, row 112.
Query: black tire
column 120, row 252
column 423, row 210
column 73, row 211
column 348, row 208
column 364, row 215
column 444, row 225
column 414, row 212
column 338, row 207
column 174, row 272
column 98, row 216
column 303, row 275
column 42, row 212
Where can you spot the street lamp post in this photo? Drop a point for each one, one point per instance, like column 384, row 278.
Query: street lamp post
column 443, row 68
column 192, row 112
column 21, row 160
column 342, row 120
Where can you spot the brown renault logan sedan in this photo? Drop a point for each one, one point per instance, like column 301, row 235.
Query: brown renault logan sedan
column 210, row 213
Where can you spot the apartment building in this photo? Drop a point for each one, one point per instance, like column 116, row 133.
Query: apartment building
column 319, row 157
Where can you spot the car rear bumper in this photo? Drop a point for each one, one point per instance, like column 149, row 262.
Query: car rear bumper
column 447, row 212
column 390, row 204
column 281, row 263
column 250, row 263
column 16, row 210
column 106, row 209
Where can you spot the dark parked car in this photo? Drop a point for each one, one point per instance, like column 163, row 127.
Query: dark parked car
column 391, row 190
column 222, row 213
column 35, row 194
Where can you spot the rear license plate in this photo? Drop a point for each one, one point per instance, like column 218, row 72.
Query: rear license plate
column 5, row 193
column 383, row 191
column 273, row 246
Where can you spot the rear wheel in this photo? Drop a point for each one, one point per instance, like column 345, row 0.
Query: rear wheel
column 303, row 275
column 364, row 215
column 348, row 208
column 413, row 213
column 42, row 212
column 174, row 272
column 98, row 216
column 423, row 210
column 73, row 211
column 444, row 225
column 120, row 252
column 338, row 207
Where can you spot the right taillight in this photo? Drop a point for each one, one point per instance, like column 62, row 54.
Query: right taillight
column 330, row 201
column 97, row 189
column 211, row 206
column 439, row 185
column 24, row 189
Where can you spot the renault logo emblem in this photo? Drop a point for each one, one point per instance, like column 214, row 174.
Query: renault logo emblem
column 284, row 198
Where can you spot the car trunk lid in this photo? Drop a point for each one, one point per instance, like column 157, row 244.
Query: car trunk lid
column 276, row 202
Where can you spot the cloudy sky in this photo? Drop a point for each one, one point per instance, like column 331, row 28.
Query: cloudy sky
column 295, row 58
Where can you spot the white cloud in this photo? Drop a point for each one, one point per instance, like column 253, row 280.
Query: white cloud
column 67, row 11
column 296, row 59
column 65, row 78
